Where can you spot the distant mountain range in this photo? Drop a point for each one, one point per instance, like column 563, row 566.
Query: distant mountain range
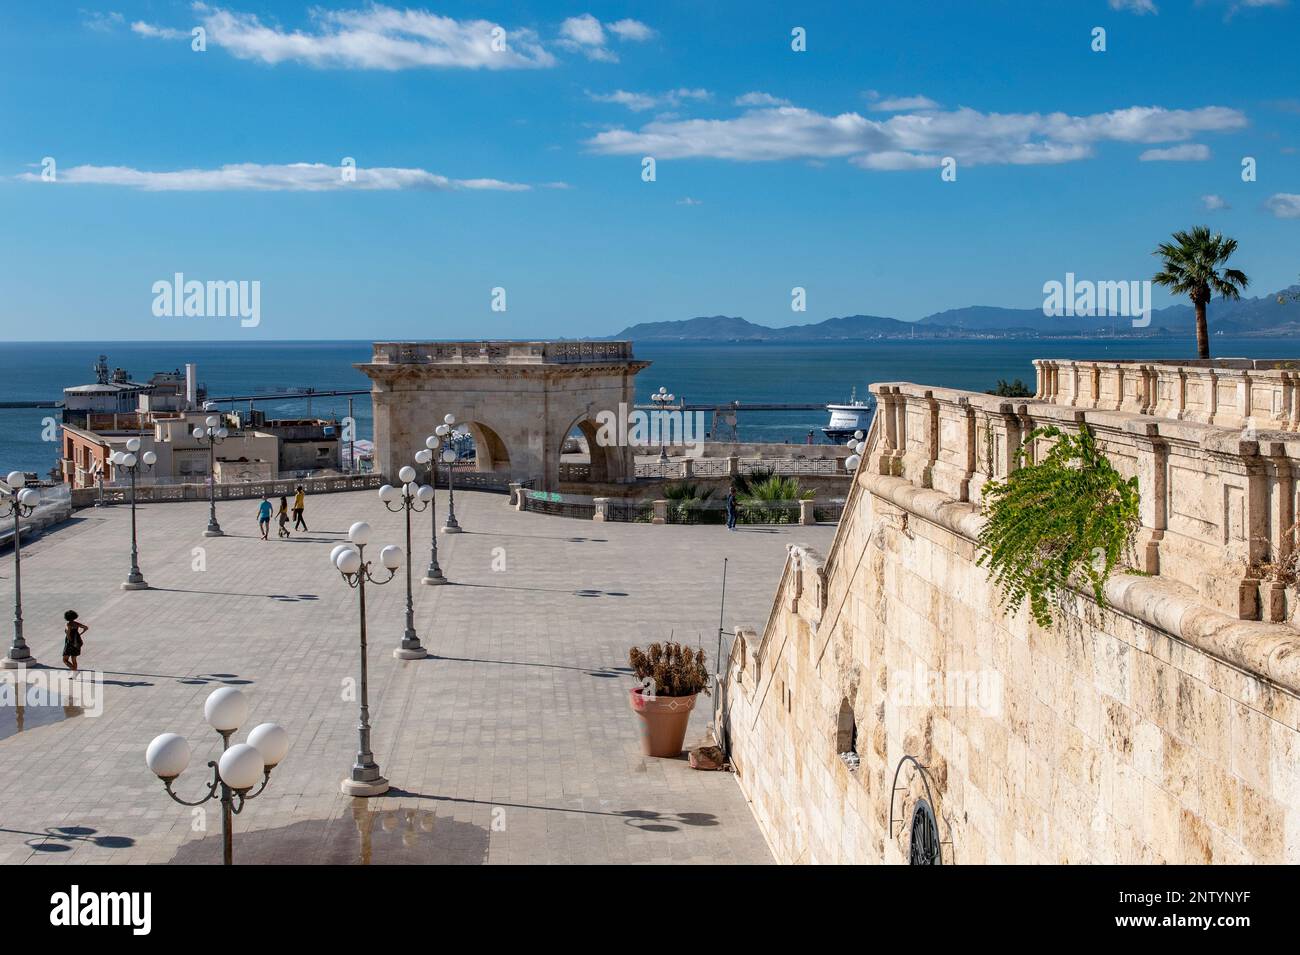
column 1249, row 316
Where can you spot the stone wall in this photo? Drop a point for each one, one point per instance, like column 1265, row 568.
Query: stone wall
column 1164, row 728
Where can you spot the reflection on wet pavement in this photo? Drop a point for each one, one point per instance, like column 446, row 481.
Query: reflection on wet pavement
column 361, row 837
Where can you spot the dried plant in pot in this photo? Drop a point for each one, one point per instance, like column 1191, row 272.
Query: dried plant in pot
column 669, row 678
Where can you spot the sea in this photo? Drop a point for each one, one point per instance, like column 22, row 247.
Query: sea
column 712, row 373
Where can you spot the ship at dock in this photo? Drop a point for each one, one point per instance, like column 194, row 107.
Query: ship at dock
column 849, row 418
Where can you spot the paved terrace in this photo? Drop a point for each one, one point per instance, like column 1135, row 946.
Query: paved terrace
column 514, row 745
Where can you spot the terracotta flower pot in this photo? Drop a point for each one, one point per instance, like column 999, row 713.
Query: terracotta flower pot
column 663, row 721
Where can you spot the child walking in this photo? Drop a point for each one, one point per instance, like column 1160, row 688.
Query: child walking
column 282, row 517
column 72, row 641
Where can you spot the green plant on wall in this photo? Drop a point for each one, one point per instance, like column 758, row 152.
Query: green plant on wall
column 1069, row 519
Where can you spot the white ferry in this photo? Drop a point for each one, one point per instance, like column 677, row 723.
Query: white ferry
column 848, row 418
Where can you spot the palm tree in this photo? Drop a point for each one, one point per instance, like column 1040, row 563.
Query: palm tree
column 1191, row 267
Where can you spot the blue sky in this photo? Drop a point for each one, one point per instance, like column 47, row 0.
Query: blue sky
column 521, row 168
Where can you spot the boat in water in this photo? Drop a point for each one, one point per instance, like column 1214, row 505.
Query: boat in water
column 846, row 419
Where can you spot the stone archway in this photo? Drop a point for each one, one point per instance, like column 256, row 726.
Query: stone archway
column 490, row 451
column 603, row 463
column 523, row 397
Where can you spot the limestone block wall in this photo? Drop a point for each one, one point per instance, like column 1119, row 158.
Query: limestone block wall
column 1160, row 729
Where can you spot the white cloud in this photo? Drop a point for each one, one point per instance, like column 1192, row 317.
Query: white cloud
column 290, row 177
column 1140, row 7
column 100, row 21
column 899, row 104
column 1214, row 203
column 157, row 32
column 760, row 99
column 374, row 38
column 1284, row 205
column 633, row 30
column 688, row 201
column 1186, row 152
column 586, row 35
column 640, row 102
column 910, row 140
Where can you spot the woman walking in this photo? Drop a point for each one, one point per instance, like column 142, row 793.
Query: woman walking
column 299, row 503
column 731, row 508
column 282, row 517
column 72, row 639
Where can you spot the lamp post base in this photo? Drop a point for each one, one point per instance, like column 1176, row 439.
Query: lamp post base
column 359, row 787
column 18, row 663
column 140, row 584
column 214, row 532
column 451, row 529
column 432, row 580
column 410, row 653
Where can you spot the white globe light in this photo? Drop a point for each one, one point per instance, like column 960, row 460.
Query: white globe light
column 222, row 433
column 338, row 549
column 449, row 456
column 852, row 462
column 348, row 561
column 198, row 433
column 225, row 709
column 423, row 456
column 391, row 557
column 168, row 755
column 359, row 533
column 271, row 740
column 129, row 460
column 149, row 458
column 240, row 767
column 213, row 421
column 133, row 444
column 29, row 497
column 862, row 446
column 663, row 390
column 449, row 419
column 441, row 430
column 425, row 493
column 388, row 493
column 431, row 442
column 859, row 435
column 407, row 474
column 16, row 479
column 849, row 443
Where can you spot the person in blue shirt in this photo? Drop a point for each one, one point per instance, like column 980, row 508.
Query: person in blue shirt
column 264, row 517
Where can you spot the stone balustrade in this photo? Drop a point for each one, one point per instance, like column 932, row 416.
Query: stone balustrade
column 1218, row 503
column 1229, row 392
column 500, row 352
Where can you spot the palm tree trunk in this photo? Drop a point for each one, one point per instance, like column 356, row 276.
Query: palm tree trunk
column 1202, row 332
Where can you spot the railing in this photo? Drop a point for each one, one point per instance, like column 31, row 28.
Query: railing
column 747, row 512
column 161, row 493
column 630, row 512
column 558, row 508
column 499, row 352
column 1229, row 392
column 496, row 483
column 734, row 467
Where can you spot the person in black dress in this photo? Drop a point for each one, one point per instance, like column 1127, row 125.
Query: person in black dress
column 72, row 641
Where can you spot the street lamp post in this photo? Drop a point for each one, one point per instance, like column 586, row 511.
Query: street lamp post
column 857, row 446
column 350, row 561
column 239, row 767
column 450, row 431
column 405, row 501
column 131, row 463
column 428, row 455
column 662, row 399
column 20, row 502
column 212, row 435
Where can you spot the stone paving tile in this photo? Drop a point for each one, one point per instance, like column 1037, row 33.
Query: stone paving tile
column 513, row 744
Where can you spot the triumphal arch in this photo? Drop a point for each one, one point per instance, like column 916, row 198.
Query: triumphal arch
column 519, row 399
